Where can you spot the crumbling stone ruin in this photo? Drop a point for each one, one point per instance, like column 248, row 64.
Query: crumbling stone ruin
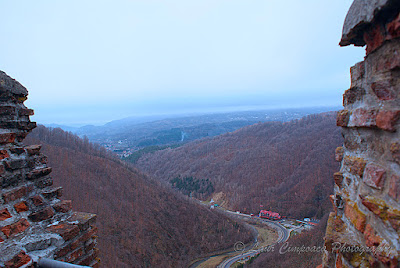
column 363, row 230
column 34, row 222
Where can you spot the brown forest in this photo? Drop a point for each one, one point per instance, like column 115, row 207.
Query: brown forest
column 141, row 222
column 285, row 167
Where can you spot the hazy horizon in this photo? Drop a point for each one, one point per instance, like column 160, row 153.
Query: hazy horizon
column 93, row 62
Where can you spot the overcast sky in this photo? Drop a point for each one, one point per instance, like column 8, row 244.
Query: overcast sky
column 95, row 61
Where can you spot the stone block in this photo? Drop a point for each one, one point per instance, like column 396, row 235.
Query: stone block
column 355, row 165
column 384, row 90
column 363, row 118
column 342, row 118
column 37, row 173
column 13, row 164
column 42, row 214
column 376, row 205
column 26, row 112
column 37, row 200
column 386, row 120
column 355, row 215
column 33, row 149
column 15, row 194
column 63, row 206
column 357, row 73
column 375, row 37
column 4, row 154
column 374, row 176
column 66, row 231
column 85, row 220
column 44, row 182
column 395, row 150
column 53, row 193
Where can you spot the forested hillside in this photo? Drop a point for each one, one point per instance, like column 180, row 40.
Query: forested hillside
column 141, row 223
column 286, row 167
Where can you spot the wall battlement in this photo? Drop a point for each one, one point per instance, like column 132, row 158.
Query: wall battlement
column 363, row 230
column 34, row 222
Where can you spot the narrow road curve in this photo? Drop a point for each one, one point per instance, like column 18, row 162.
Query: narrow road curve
column 284, row 235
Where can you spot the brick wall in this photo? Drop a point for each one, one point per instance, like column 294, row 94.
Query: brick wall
column 34, row 222
column 363, row 230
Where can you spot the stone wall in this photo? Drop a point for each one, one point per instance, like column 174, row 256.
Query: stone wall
column 34, row 222
column 363, row 230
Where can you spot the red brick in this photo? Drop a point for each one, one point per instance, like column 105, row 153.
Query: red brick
column 339, row 152
column 15, row 194
column 37, row 200
column 90, row 258
column 356, row 165
column 355, row 215
column 33, row 149
column 394, row 189
column 374, row 38
column 89, row 234
column 66, row 231
column 384, row 90
column 386, row 120
column 21, row 207
column 4, row 214
column 3, row 154
column 371, row 236
column 37, row 173
column 85, row 220
column 374, row 176
column 7, row 138
column 74, row 255
column 15, row 228
column 18, row 260
column 338, row 177
column 363, row 118
column 41, row 215
column 342, row 119
column 63, row 206
column 69, row 247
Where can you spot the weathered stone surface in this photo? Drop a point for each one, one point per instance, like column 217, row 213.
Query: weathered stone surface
column 374, row 176
column 360, row 15
column 37, row 200
column 376, row 205
column 357, row 72
column 8, row 84
column 384, row 89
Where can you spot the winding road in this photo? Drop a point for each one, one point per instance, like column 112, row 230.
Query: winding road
column 284, row 235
